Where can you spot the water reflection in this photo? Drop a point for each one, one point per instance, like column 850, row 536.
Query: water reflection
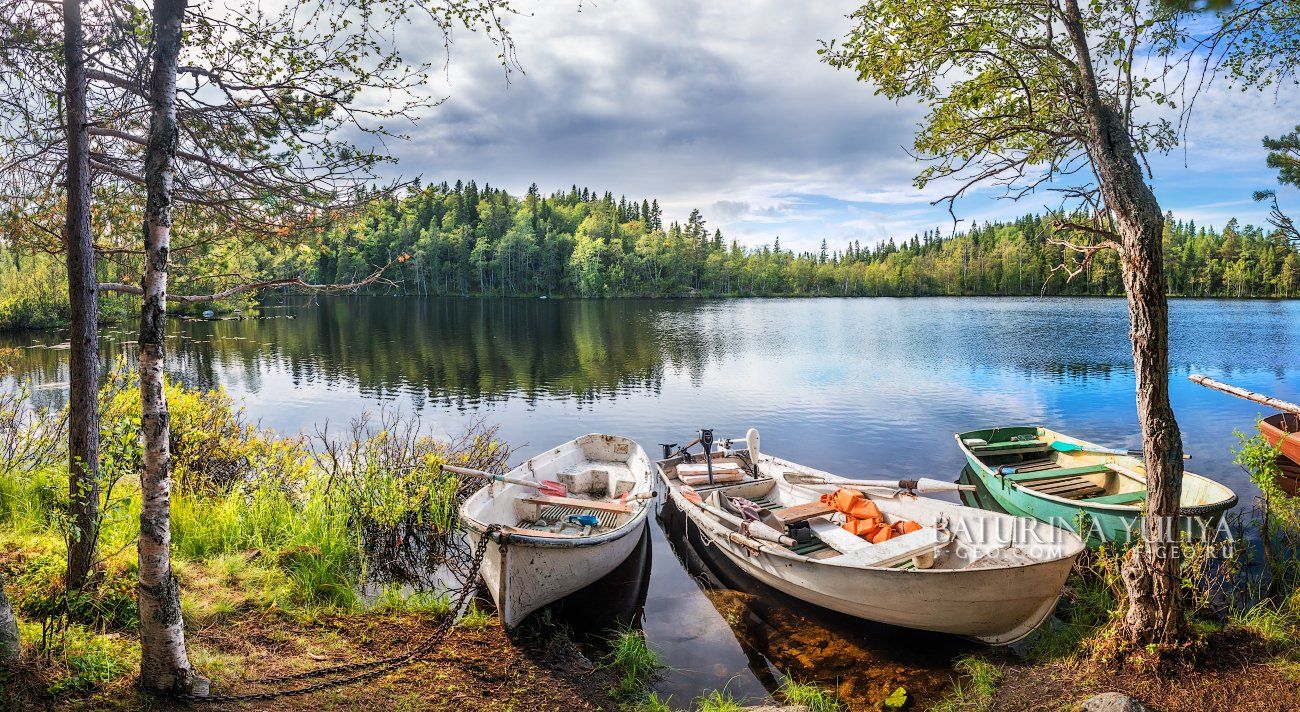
column 782, row 636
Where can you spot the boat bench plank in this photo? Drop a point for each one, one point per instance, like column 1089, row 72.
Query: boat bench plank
column 1121, row 498
column 859, row 552
column 895, row 551
column 1072, row 488
column 802, row 512
column 726, row 477
column 835, row 535
column 1059, row 472
column 579, row 503
column 1018, row 446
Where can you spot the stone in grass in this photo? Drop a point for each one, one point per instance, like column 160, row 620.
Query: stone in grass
column 1111, row 702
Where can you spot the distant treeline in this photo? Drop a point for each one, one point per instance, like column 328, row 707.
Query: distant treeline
column 466, row 240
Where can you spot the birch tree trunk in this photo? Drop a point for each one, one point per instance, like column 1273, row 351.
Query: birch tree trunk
column 164, row 663
column 1154, row 612
column 10, row 647
column 83, row 354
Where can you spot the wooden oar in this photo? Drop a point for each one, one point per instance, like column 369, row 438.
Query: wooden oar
column 924, row 484
column 1243, row 393
column 1062, row 446
column 550, row 488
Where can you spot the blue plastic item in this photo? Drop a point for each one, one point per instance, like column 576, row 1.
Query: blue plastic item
column 584, row 520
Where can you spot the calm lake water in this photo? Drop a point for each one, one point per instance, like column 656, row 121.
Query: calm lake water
column 871, row 387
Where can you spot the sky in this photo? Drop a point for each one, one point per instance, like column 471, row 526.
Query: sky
column 726, row 107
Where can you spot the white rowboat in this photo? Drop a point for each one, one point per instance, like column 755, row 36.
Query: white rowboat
column 969, row 572
column 548, row 555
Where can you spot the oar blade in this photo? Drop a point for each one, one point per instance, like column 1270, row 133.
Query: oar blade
column 551, row 488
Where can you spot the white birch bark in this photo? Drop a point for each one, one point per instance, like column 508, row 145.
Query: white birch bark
column 10, row 647
column 164, row 663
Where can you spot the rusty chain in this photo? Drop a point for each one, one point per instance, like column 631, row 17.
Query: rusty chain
column 371, row 669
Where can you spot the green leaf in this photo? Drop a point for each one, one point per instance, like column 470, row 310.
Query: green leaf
column 896, row 700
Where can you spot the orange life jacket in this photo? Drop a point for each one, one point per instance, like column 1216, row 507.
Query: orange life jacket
column 862, row 518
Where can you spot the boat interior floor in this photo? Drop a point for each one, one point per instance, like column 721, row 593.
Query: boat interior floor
column 593, row 489
column 1047, row 476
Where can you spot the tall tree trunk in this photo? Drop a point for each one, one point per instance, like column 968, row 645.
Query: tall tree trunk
column 83, row 353
column 164, row 663
column 1151, row 571
column 10, row 647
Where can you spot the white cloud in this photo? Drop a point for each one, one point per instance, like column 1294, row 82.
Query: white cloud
column 726, row 107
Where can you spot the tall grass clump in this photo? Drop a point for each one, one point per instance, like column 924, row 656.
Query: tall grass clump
column 635, row 662
column 719, row 701
column 810, row 696
column 973, row 690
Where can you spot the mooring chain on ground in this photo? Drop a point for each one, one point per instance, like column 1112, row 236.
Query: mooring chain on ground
column 372, row 668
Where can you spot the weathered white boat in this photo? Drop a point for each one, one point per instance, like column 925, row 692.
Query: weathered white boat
column 550, row 553
column 970, row 572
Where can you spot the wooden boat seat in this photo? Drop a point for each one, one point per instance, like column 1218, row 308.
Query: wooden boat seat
column 855, row 551
column 724, row 471
column 1069, row 488
column 718, row 478
column 895, row 551
column 1018, row 446
column 840, row 540
column 542, row 500
column 802, row 512
column 1059, row 472
column 1121, row 498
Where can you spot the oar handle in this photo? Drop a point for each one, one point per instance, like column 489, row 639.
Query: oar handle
column 489, row 476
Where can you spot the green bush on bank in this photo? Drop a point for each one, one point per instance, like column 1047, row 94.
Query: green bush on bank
column 258, row 521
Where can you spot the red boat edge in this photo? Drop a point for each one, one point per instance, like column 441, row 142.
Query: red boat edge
column 1283, row 430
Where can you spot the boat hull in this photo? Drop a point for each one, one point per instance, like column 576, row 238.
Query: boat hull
column 524, row 568
column 531, row 574
column 1111, row 523
column 1283, row 431
column 998, row 606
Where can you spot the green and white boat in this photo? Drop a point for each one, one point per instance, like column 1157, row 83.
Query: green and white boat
column 1039, row 473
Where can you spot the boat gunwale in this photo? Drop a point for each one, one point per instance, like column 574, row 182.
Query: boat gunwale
column 703, row 519
column 1197, row 510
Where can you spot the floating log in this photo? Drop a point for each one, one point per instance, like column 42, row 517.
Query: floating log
column 1260, row 398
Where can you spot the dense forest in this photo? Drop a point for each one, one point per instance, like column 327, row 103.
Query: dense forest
column 464, row 240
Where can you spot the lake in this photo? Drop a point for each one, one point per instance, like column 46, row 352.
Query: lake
column 864, row 387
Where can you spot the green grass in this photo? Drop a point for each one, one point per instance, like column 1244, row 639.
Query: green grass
column 1278, row 624
column 476, row 619
column 651, row 703
column 90, row 660
column 811, row 696
column 973, row 690
column 635, row 662
column 718, row 701
column 1084, row 613
column 392, row 600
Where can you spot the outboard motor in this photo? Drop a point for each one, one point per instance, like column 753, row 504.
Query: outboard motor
column 706, row 439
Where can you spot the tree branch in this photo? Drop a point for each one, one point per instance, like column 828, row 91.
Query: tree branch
column 297, row 282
